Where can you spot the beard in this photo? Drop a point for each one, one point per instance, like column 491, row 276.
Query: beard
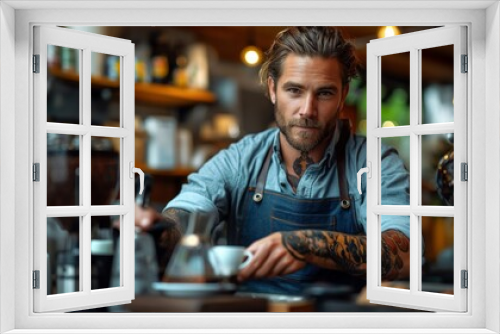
column 303, row 141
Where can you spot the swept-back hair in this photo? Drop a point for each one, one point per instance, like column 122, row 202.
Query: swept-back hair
column 325, row 42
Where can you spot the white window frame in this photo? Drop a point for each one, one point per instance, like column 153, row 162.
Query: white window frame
column 86, row 43
column 483, row 20
column 414, row 43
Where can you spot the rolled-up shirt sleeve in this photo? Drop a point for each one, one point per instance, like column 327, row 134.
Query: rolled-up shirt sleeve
column 395, row 185
column 208, row 189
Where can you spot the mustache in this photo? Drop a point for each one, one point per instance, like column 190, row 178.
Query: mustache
column 305, row 122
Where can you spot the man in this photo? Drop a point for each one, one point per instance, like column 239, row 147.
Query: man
column 289, row 194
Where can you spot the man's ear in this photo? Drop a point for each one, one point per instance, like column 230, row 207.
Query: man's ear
column 271, row 89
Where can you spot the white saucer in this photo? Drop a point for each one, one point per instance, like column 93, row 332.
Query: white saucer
column 194, row 289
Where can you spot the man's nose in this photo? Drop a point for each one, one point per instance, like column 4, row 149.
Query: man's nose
column 309, row 108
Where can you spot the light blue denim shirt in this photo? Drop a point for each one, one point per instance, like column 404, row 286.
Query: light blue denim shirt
column 220, row 186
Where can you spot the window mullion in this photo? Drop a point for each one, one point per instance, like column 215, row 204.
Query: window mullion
column 66, row 129
column 80, row 211
column 127, row 156
column 85, row 170
column 372, row 120
column 377, row 164
column 84, row 274
column 415, row 117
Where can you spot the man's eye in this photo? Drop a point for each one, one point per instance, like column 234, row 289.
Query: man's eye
column 325, row 93
column 293, row 90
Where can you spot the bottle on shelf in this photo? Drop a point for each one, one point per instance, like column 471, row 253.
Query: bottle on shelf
column 175, row 51
column 180, row 73
column 54, row 56
column 159, row 57
column 142, row 62
column 112, row 67
column 69, row 59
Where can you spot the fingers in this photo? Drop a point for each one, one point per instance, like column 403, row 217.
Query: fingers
column 146, row 217
column 282, row 266
column 271, row 258
column 260, row 252
column 276, row 259
column 287, row 264
column 294, row 266
column 145, row 223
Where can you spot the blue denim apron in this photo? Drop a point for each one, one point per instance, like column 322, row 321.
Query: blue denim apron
column 269, row 211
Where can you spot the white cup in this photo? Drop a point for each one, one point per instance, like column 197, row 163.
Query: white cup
column 228, row 260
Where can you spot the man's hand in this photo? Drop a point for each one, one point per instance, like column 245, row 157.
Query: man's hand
column 271, row 259
column 146, row 217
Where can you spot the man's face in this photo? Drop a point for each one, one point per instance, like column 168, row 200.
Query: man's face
column 307, row 99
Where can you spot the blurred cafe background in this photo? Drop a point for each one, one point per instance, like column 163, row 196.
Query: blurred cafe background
column 196, row 92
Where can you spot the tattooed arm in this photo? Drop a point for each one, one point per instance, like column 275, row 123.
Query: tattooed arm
column 174, row 221
column 346, row 252
column 169, row 235
column 283, row 253
column 177, row 218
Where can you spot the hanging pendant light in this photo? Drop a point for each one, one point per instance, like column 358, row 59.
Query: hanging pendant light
column 251, row 55
column 388, row 31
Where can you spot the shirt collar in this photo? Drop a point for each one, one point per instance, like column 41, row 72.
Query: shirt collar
column 329, row 152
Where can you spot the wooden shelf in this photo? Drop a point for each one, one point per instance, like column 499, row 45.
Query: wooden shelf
column 97, row 81
column 152, row 94
column 179, row 172
column 171, row 96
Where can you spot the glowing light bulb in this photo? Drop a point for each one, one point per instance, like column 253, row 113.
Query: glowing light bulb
column 251, row 55
column 388, row 31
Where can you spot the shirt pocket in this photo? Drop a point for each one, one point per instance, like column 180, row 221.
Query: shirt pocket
column 293, row 221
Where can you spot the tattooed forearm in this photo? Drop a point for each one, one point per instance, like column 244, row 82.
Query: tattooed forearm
column 395, row 255
column 333, row 250
column 177, row 217
column 346, row 252
column 168, row 237
column 296, row 244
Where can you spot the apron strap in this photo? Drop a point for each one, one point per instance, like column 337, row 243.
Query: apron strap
column 261, row 181
column 340, row 156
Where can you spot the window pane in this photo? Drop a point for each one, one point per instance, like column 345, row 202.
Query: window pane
column 437, row 84
column 394, row 170
column 105, row 104
column 437, row 262
column 104, row 249
column 395, row 77
column 437, row 169
column 394, row 250
column 63, row 85
column 63, row 255
column 105, row 187
column 63, row 162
